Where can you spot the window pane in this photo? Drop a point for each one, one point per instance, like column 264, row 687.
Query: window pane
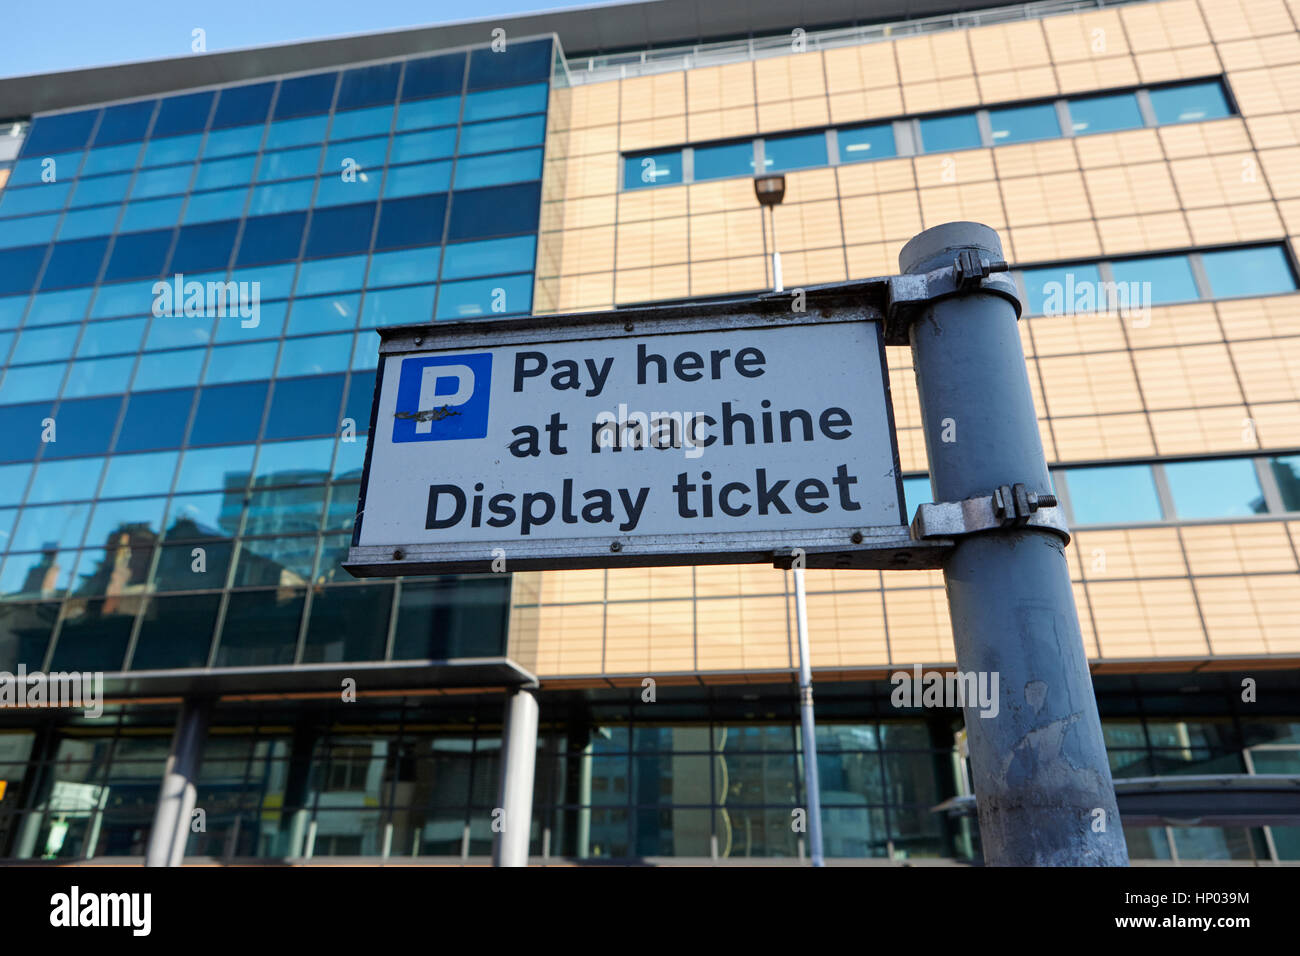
column 1236, row 272
column 443, row 111
column 498, row 168
column 357, row 123
column 110, row 159
column 176, row 632
column 49, row 526
column 334, row 190
column 331, row 275
column 1170, row 279
column 410, row 222
column 478, row 298
column 717, row 162
column 1215, row 489
column 514, row 101
column 794, row 152
column 241, row 363
column 418, row 179
column 503, row 134
column 271, row 238
column 183, row 114
column 866, row 142
column 367, row 85
column 297, row 132
column 397, row 306
column 339, row 230
column 349, row 623
column 315, row 355
column 327, row 313
column 281, row 197
column 457, row 617
column 105, row 189
column 261, row 628
column 232, row 142
column 656, row 169
column 466, row 259
column 220, row 173
column 139, row 474
column 30, row 231
column 72, row 480
column 916, row 491
column 108, row 338
column 212, row 469
column 94, row 635
column 362, row 154
column 1019, row 124
column 151, row 214
column 155, row 420
column 434, row 76
column 228, row 413
column 112, row 520
column 1104, row 114
column 1190, row 103
column 1286, row 472
column 211, row 206
column 1119, row 494
column 174, row 149
column 125, row 123
column 305, row 407
column 1063, row 290
column 289, row 164
column 169, row 369
column 942, row 133
column 305, row 94
column 45, row 345
column 504, row 211
column 239, row 105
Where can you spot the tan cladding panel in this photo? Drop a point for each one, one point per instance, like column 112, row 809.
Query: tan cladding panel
column 1239, row 19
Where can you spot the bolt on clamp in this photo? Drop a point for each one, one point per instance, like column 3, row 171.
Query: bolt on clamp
column 1009, row 506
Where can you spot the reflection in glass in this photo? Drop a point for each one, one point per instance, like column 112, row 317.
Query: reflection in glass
column 1224, row 488
column 942, row 133
column 1117, row 494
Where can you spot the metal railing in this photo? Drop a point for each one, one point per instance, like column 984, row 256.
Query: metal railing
column 614, row 66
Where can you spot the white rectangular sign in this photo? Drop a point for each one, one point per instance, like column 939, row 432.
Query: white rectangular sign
column 653, row 448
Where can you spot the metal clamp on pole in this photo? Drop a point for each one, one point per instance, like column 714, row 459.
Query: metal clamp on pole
column 969, row 272
column 1009, row 506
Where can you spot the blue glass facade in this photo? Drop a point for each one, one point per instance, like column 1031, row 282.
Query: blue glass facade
column 178, row 479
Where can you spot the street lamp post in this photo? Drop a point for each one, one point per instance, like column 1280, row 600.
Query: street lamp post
column 770, row 190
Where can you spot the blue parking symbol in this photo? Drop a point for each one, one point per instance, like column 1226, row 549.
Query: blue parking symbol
column 443, row 397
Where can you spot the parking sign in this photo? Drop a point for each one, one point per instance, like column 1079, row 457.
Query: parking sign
column 587, row 442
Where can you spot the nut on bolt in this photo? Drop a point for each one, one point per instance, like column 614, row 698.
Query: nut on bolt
column 615, row 546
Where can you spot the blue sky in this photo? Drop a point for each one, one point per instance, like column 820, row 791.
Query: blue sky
column 43, row 38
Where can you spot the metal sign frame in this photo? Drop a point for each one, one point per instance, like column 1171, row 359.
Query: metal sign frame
column 847, row 547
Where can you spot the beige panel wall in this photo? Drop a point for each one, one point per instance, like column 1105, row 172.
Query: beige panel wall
column 1218, row 378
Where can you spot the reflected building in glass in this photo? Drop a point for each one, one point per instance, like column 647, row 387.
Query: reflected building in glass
column 179, row 481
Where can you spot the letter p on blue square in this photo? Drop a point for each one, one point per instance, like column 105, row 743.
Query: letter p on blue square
column 443, row 398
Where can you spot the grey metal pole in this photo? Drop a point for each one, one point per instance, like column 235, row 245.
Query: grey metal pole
column 812, row 785
column 518, row 760
column 176, row 795
column 1041, row 778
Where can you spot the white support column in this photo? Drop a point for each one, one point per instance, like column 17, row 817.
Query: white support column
column 171, row 820
column 518, row 760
